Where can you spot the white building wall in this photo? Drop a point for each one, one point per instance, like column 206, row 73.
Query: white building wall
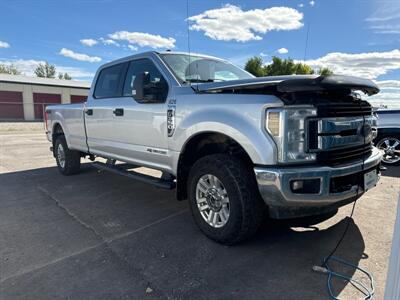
column 28, row 90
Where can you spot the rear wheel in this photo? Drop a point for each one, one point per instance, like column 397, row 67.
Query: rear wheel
column 68, row 161
column 390, row 144
column 224, row 199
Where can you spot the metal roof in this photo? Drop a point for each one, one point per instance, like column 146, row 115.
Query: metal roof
column 21, row 79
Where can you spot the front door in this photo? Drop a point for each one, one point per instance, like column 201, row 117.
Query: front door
column 141, row 126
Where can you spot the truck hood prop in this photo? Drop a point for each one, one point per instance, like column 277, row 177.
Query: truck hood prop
column 293, row 83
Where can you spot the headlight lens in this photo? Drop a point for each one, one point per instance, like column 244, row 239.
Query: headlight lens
column 288, row 128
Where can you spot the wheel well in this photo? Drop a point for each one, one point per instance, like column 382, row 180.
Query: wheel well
column 57, row 130
column 201, row 145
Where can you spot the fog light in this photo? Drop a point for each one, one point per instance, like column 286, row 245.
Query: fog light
column 297, row 185
column 306, row 186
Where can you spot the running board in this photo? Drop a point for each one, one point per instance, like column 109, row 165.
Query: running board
column 120, row 169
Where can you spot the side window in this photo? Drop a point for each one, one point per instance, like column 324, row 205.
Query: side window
column 109, row 82
column 156, row 88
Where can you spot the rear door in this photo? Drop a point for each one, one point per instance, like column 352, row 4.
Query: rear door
column 102, row 139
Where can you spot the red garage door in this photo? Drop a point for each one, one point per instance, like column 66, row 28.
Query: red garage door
column 40, row 101
column 11, row 105
column 78, row 99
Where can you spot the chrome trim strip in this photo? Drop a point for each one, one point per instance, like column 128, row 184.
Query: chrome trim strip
column 329, row 129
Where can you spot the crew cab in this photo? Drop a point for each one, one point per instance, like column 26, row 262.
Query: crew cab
column 239, row 148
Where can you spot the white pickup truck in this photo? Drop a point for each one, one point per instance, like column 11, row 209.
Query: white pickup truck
column 239, row 148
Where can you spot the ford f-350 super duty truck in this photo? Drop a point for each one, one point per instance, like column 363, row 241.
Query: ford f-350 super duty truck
column 239, row 148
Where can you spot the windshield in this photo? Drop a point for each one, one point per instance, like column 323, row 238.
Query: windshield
column 202, row 69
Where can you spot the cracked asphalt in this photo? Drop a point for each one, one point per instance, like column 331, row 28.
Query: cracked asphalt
column 96, row 235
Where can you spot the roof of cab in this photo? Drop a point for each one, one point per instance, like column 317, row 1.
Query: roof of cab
column 156, row 53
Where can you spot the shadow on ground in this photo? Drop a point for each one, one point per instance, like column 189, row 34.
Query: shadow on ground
column 392, row 171
column 100, row 236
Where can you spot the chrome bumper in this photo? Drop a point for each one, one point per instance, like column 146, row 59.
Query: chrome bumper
column 274, row 186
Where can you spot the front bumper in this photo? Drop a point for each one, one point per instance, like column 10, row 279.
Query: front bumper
column 274, row 185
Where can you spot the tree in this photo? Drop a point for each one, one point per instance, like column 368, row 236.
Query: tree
column 45, row 70
column 255, row 66
column 64, row 76
column 280, row 66
column 11, row 69
column 325, row 71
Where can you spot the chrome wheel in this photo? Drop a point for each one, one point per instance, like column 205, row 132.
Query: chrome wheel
column 212, row 201
column 61, row 155
column 391, row 148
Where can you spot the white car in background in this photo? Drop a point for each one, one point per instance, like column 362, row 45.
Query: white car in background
column 388, row 138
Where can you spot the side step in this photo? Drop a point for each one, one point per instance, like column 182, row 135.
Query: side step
column 121, row 169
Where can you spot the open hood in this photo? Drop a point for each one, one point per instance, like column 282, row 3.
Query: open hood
column 293, row 84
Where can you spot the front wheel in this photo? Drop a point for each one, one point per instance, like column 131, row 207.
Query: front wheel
column 390, row 144
column 68, row 161
column 224, row 198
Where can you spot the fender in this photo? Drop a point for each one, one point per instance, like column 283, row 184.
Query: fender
column 246, row 131
column 58, row 119
column 387, row 131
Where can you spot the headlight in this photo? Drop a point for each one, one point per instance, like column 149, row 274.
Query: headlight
column 288, row 128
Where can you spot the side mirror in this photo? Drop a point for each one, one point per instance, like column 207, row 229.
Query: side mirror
column 139, row 86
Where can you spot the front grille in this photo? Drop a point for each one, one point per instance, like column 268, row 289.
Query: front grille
column 335, row 157
column 344, row 109
column 346, row 143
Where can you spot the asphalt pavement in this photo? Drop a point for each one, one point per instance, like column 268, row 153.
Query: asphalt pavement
column 97, row 235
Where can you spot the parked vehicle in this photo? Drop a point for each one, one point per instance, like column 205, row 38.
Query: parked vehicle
column 388, row 139
column 239, row 148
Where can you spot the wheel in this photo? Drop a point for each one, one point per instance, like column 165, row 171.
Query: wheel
column 224, row 198
column 390, row 144
column 68, row 161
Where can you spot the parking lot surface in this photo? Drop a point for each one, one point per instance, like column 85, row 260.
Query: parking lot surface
column 97, row 235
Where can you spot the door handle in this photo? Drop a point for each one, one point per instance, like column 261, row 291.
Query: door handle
column 89, row 112
column 118, row 112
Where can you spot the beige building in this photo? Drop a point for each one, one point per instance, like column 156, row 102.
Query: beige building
column 24, row 97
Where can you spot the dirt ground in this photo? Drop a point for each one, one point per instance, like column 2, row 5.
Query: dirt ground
column 96, row 235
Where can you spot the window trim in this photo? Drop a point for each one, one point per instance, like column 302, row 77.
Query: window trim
column 121, row 83
column 158, row 69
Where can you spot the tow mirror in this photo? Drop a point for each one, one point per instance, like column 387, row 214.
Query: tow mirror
column 139, row 86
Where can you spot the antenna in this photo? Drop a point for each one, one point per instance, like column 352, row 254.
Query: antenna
column 306, row 45
column 188, row 33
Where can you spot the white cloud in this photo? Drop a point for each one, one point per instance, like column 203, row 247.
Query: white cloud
column 262, row 54
column 385, row 18
column 232, row 23
column 79, row 56
column 28, row 66
column 88, row 42
column 108, row 42
column 312, row 3
column 133, row 48
column 301, row 5
column 388, row 98
column 389, row 84
column 282, row 50
column 4, row 45
column 369, row 65
column 144, row 39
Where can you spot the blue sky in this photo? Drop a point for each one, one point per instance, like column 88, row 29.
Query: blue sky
column 352, row 37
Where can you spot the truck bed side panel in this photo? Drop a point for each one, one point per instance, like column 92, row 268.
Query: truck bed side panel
column 71, row 119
